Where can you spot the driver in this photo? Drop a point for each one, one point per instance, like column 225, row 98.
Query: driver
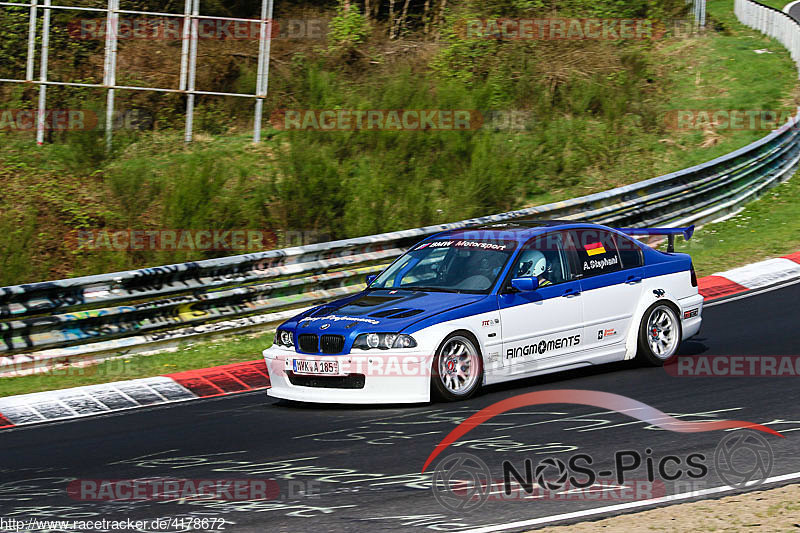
column 532, row 263
column 482, row 267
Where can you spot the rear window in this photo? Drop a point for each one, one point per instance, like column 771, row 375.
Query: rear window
column 629, row 252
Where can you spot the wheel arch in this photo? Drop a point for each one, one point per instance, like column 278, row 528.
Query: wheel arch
column 645, row 304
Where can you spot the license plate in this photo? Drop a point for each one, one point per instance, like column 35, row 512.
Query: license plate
column 306, row 366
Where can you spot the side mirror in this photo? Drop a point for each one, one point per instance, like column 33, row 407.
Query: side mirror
column 525, row 284
column 371, row 278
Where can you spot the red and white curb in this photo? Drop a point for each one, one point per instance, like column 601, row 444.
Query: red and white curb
column 93, row 400
column 750, row 277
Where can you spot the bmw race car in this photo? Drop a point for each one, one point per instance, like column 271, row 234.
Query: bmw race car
column 472, row 307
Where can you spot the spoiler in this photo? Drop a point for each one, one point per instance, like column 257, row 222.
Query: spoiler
column 669, row 232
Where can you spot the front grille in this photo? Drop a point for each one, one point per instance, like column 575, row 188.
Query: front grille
column 351, row 381
column 308, row 343
column 332, row 343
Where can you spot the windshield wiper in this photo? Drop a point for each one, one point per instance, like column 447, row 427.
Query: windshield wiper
column 432, row 289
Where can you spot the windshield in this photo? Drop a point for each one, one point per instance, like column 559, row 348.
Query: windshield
column 448, row 265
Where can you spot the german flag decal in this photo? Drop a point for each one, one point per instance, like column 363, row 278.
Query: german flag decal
column 594, row 249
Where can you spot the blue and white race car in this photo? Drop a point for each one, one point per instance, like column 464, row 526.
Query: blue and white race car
column 472, row 307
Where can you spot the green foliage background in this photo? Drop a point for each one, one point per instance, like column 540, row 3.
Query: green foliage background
column 593, row 121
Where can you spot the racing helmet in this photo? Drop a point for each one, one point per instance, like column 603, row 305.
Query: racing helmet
column 532, row 264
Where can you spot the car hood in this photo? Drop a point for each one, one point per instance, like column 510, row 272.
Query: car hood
column 389, row 311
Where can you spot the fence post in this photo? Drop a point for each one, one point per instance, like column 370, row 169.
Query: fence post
column 262, row 79
column 110, row 74
column 192, row 71
column 40, row 118
column 31, row 43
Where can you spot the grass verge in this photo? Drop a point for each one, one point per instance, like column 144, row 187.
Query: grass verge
column 769, row 227
column 188, row 357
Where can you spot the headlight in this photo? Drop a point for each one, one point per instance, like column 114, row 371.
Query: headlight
column 384, row 341
column 283, row 338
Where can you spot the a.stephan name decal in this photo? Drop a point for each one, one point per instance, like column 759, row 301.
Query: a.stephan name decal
column 600, row 263
column 543, row 346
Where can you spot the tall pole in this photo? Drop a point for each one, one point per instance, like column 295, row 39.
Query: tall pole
column 262, row 78
column 31, row 42
column 192, row 71
column 40, row 118
column 110, row 77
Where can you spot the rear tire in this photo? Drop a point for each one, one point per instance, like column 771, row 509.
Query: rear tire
column 659, row 335
column 457, row 369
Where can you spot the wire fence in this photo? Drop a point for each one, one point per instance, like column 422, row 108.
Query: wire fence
column 191, row 18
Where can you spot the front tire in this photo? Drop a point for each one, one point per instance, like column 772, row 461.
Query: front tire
column 457, row 369
column 659, row 335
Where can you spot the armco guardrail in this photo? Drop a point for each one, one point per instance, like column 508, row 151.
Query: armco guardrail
column 95, row 317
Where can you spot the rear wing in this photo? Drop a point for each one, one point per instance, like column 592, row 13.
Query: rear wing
column 669, row 232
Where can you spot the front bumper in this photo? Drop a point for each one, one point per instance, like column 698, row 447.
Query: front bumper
column 373, row 377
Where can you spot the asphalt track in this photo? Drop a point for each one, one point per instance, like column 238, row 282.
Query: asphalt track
column 366, row 462
column 794, row 11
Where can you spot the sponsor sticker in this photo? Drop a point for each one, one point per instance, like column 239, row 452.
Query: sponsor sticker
column 481, row 245
column 543, row 346
column 603, row 333
column 336, row 318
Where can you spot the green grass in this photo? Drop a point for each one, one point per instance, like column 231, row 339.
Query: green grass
column 596, row 124
column 769, row 227
column 201, row 355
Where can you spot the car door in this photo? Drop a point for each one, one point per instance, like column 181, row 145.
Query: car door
column 611, row 272
column 540, row 326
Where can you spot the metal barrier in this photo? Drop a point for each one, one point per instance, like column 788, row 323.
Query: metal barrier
column 96, row 317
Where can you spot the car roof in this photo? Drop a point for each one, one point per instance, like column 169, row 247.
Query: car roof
column 519, row 231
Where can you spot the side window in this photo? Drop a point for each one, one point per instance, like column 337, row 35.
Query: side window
column 629, row 252
column 542, row 257
column 596, row 252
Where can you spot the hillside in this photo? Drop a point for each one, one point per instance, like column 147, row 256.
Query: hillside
column 560, row 118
